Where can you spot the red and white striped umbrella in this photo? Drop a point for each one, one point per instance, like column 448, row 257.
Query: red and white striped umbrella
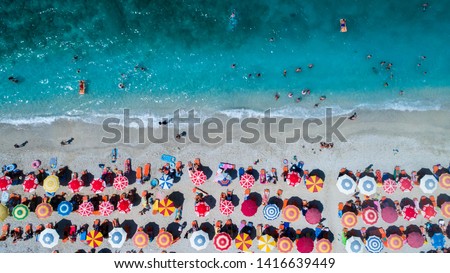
column 98, row 185
column 222, row 241
column 124, row 205
column 120, row 182
column 5, row 183
column 247, row 181
column 293, row 179
column 226, row 207
column 86, row 209
column 198, row 178
column 202, row 209
column 405, row 184
column 105, row 208
column 428, row 211
column 389, row 186
column 370, row 215
column 75, row 185
column 409, row 213
column 30, row 184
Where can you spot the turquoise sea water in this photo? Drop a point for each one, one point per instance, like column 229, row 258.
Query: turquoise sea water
column 188, row 47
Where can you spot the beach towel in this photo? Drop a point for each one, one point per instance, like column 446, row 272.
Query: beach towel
column 114, row 155
column 139, row 175
column 53, row 162
column 147, row 169
column 83, row 236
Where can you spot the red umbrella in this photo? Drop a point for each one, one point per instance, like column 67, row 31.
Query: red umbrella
column 5, row 183
column 98, row 185
column 86, row 209
column 389, row 215
column 294, row 179
column 30, row 184
column 415, row 240
column 75, row 185
column 409, row 212
column 428, row 211
column 370, row 215
column 305, row 245
column 222, row 241
column 405, row 184
column 120, row 182
column 226, row 207
column 105, row 208
column 313, row 216
column 249, row 207
column 247, row 181
column 124, row 205
column 202, row 209
column 198, row 178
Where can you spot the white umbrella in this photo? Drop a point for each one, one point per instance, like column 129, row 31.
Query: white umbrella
column 199, row 240
column 117, row 237
column 346, row 184
column 428, row 183
column 48, row 238
column 367, row 185
column 354, row 245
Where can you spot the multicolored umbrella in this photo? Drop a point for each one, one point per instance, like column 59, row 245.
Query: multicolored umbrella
column 266, row 243
column 243, row 241
column 202, row 209
column 370, row 216
column 120, row 182
column 305, row 244
column 117, row 237
column 367, row 185
column 140, row 239
column 48, row 238
column 86, row 209
column 94, row 238
column 105, row 208
column 223, row 179
column 313, row 216
column 30, row 184
column 166, row 207
column 20, row 212
column 314, row 183
column 389, row 215
column 5, row 183
column 124, row 205
column 395, row 242
column 406, row 184
column 249, row 207
column 346, row 184
column 51, row 183
column 164, row 239
column 389, row 186
column 374, row 244
column 247, row 181
column 271, row 212
column 198, row 178
column 428, row 183
column 166, row 182
column 65, row 208
column 415, row 240
column 445, row 209
column 354, row 245
column 4, row 212
column 75, row 185
column 409, row 213
column 428, row 211
column 199, row 240
column 222, row 241
column 285, row 245
column 291, row 213
column 324, row 246
column 98, row 185
column 349, row 219
column 444, row 181
column 226, row 207
column 293, row 179
column 43, row 210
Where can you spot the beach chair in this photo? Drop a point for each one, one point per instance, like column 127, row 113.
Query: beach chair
column 28, row 232
column 178, row 169
column 285, row 202
column 73, row 233
column 5, row 232
column 259, row 229
column 262, row 176
column 340, row 208
column 433, row 201
column 114, row 155
column 266, row 197
column 139, row 175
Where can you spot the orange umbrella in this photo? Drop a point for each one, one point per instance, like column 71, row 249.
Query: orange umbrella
column 395, row 242
column 445, row 209
column 444, row 181
column 285, row 245
column 94, row 238
column 43, row 210
column 166, row 207
column 140, row 239
column 314, row 183
column 324, row 246
column 291, row 213
column 243, row 241
column 349, row 219
column 164, row 239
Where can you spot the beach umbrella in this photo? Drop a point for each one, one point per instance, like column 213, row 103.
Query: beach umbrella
column 202, row 209
column 406, row 184
column 291, row 213
column 222, row 241
column 164, row 239
column 166, row 182
column 324, row 246
column 374, row 244
column 43, row 210
column 271, row 212
column 346, row 184
column 354, row 245
column 48, row 238
column 285, row 245
column 314, row 183
column 226, row 207
column 415, row 240
column 166, row 207
column 370, row 215
column 75, row 185
column 367, row 185
column 247, row 181
column 313, row 216
column 223, row 179
column 140, row 239
column 20, row 212
column 4, row 212
column 98, row 185
column 30, row 184
column 294, row 179
column 409, row 213
column 85, row 209
column 438, row 240
column 5, row 183
column 117, row 237
column 395, row 242
column 266, row 243
column 249, row 207
column 389, row 215
column 305, row 244
column 444, row 181
column 51, row 183
column 243, row 241
column 124, row 205
column 428, row 183
column 105, row 208
column 389, row 186
column 428, row 211
column 445, row 209
column 120, row 182
column 198, row 178
column 199, row 240
column 349, row 219
column 65, row 208
column 94, row 238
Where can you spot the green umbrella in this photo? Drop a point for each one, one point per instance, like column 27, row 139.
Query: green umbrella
column 3, row 212
column 20, row 212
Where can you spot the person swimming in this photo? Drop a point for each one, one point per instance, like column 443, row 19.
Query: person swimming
column 306, row 92
column 13, row 79
column 298, row 69
column 323, row 97
column 310, row 65
column 284, row 72
column 277, row 96
column 353, row 117
column 121, row 85
column 290, row 95
column 298, row 99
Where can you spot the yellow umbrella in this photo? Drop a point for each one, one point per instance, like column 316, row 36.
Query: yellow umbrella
column 314, row 183
column 3, row 212
column 51, row 183
column 166, row 207
column 243, row 241
column 266, row 243
column 94, row 238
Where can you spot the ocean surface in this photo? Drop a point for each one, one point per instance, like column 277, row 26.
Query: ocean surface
column 174, row 54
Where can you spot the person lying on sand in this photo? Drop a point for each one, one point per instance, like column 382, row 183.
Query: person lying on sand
column 21, row 145
column 66, row 142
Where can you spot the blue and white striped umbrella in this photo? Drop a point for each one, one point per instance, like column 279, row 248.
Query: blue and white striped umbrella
column 271, row 212
column 354, row 245
column 367, row 185
column 65, row 208
column 166, row 182
column 199, row 240
column 48, row 238
column 374, row 244
column 428, row 183
column 346, row 184
column 117, row 237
